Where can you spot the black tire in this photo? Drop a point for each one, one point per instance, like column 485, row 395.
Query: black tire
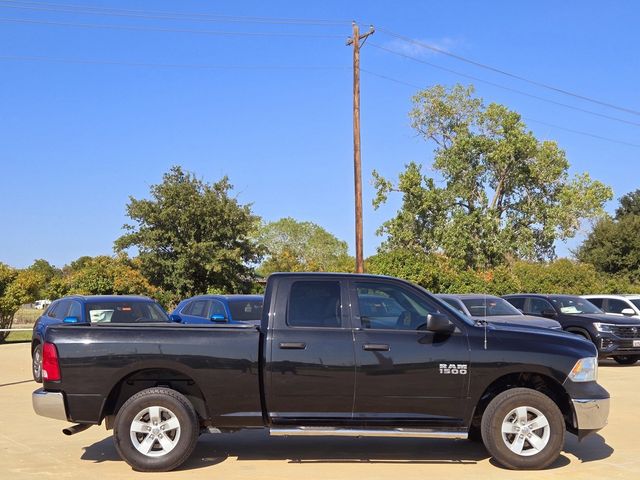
column 36, row 363
column 171, row 404
column 499, row 410
column 626, row 359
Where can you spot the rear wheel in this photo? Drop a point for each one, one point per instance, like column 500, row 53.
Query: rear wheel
column 156, row 430
column 626, row 359
column 523, row 429
column 36, row 363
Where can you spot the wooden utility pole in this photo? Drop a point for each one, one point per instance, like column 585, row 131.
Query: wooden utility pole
column 357, row 167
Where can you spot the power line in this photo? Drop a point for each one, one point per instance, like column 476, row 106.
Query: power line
column 508, row 74
column 170, row 30
column 504, row 87
column 155, row 14
column 559, row 127
column 21, row 58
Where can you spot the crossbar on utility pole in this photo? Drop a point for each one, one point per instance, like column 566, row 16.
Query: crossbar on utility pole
column 357, row 165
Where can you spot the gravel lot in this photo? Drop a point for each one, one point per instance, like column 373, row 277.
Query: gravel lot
column 34, row 447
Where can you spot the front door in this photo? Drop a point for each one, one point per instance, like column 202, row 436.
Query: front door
column 311, row 366
column 404, row 373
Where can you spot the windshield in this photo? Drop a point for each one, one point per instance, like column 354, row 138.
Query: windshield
column 574, row 305
column 489, row 307
column 246, row 310
column 125, row 312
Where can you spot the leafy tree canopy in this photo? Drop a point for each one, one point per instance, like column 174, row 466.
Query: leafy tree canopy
column 294, row 246
column 613, row 246
column 497, row 193
column 105, row 275
column 192, row 236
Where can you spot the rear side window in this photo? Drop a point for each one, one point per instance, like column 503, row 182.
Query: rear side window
column 596, row 301
column 197, row 308
column 454, row 304
column 75, row 310
column 315, row 304
column 517, row 302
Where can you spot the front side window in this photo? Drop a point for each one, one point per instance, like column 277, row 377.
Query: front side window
column 125, row 312
column 615, row 306
column 217, row 308
column 75, row 310
column 539, row 305
column 391, row 307
column 315, row 304
column 61, row 309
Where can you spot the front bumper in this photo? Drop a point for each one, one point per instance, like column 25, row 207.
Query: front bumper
column 590, row 414
column 49, row 404
column 612, row 344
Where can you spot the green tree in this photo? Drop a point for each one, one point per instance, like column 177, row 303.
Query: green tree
column 17, row 287
column 629, row 204
column 293, row 246
column 497, row 194
column 613, row 245
column 105, row 275
column 192, row 236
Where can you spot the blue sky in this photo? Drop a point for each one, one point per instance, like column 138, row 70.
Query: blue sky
column 76, row 139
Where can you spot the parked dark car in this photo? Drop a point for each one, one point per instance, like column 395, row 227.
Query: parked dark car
column 219, row 309
column 495, row 309
column 324, row 362
column 91, row 309
column 614, row 336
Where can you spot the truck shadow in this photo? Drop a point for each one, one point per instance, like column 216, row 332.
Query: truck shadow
column 258, row 445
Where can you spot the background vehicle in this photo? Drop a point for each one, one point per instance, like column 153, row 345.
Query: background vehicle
column 219, row 309
column 613, row 336
column 91, row 309
column 495, row 309
column 621, row 305
column 318, row 365
column 41, row 304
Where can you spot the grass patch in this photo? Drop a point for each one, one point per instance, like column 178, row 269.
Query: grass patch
column 17, row 337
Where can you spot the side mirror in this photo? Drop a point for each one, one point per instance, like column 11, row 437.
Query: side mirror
column 549, row 313
column 175, row 318
column 628, row 312
column 439, row 323
column 71, row 320
column 218, row 318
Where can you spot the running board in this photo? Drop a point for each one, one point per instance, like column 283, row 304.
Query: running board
column 353, row 432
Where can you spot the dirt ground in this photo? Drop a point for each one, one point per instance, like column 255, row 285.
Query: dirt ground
column 34, row 447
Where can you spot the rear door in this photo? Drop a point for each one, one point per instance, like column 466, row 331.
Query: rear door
column 310, row 360
column 404, row 373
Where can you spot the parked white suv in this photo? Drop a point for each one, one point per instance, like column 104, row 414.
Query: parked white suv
column 621, row 305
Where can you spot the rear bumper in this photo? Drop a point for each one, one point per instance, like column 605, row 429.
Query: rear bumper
column 49, row 404
column 590, row 414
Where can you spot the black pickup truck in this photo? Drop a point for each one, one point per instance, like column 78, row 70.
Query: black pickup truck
column 335, row 354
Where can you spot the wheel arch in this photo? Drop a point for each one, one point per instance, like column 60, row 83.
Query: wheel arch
column 533, row 380
column 144, row 378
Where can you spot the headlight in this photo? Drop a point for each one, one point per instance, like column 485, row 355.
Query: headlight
column 585, row 370
column 603, row 327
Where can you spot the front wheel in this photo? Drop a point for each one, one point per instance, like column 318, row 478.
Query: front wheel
column 626, row 359
column 523, row 429
column 36, row 363
column 156, row 430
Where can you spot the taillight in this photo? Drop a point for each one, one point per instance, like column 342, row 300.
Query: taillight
column 50, row 365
